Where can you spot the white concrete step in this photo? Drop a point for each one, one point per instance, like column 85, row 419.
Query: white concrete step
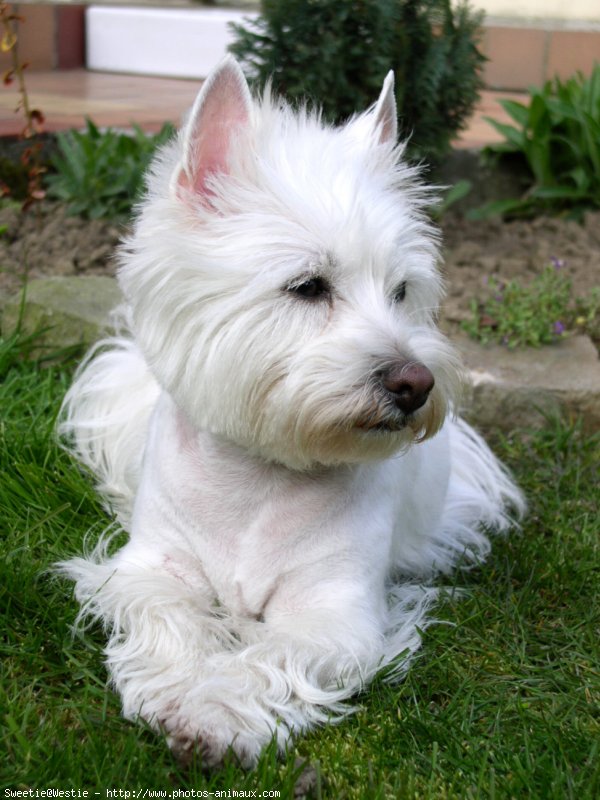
column 168, row 42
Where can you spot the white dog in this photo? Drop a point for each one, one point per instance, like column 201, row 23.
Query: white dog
column 276, row 432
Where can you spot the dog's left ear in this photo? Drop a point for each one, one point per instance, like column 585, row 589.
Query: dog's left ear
column 220, row 112
column 386, row 115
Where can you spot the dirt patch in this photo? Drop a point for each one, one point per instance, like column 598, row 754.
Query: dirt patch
column 477, row 251
column 46, row 241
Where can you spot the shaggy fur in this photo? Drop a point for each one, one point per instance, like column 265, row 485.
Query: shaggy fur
column 274, row 427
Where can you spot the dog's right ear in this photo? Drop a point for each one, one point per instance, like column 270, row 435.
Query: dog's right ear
column 385, row 114
column 221, row 109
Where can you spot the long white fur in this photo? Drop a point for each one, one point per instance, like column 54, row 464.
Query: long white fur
column 279, row 553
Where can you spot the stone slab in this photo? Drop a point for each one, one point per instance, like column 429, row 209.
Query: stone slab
column 67, row 311
column 519, row 388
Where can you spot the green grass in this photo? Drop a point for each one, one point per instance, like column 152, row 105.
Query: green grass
column 502, row 704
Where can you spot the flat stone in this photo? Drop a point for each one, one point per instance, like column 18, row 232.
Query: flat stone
column 521, row 388
column 67, row 311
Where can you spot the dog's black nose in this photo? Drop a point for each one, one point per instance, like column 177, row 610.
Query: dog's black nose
column 410, row 383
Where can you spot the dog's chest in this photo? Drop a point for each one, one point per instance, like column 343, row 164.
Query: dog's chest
column 252, row 526
column 254, row 537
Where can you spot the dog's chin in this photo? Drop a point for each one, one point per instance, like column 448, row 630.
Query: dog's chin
column 312, row 440
column 422, row 424
column 387, row 433
column 355, row 442
column 360, row 444
column 392, row 424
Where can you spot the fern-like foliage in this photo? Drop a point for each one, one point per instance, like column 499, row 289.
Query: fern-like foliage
column 337, row 53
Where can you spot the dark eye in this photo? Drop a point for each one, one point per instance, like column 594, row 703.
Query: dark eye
column 311, row 288
column 400, row 293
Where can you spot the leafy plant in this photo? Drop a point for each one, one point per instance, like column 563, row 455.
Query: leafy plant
column 520, row 316
column 557, row 136
column 585, row 316
column 449, row 196
column 337, row 54
column 101, row 173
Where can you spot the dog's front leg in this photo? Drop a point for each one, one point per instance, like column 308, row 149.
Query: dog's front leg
column 213, row 681
column 312, row 650
column 163, row 627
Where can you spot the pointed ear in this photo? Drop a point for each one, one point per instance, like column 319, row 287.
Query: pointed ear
column 221, row 109
column 386, row 115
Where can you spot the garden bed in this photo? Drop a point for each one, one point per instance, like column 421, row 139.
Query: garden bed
column 476, row 251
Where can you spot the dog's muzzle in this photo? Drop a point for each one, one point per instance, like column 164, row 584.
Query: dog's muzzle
column 408, row 384
column 400, row 390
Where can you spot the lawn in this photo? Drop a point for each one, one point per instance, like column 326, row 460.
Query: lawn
column 501, row 704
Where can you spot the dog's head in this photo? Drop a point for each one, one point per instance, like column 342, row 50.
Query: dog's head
column 283, row 280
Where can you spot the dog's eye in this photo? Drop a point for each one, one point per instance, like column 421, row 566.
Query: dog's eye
column 311, row 288
column 400, row 293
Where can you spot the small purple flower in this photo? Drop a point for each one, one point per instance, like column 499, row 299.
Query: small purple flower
column 557, row 263
column 558, row 328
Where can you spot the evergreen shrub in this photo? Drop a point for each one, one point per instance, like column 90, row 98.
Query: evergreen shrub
column 336, row 53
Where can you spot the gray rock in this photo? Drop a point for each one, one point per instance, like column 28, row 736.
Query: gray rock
column 520, row 388
column 66, row 311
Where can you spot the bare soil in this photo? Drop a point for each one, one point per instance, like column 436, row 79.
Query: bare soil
column 474, row 252
column 46, row 241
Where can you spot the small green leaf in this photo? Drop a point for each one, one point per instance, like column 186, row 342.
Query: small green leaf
column 513, row 135
column 518, row 111
column 498, row 208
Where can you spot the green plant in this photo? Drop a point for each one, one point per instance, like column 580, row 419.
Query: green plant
column 449, row 196
column 585, row 315
column 519, row 316
column 557, row 137
column 101, row 173
column 338, row 53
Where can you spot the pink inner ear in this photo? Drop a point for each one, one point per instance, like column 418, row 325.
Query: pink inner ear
column 388, row 125
column 222, row 109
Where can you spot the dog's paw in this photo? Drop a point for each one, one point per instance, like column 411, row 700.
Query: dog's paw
column 209, row 751
column 210, row 746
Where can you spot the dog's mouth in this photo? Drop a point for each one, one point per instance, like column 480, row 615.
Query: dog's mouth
column 381, row 417
column 392, row 424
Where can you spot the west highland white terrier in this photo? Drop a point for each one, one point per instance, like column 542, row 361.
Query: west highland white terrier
column 275, row 429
